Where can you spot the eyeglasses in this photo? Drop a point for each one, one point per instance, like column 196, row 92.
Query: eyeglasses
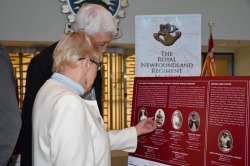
column 99, row 65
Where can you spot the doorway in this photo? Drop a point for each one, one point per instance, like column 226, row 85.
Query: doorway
column 118, row 80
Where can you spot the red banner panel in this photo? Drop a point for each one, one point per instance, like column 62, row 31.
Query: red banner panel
column 201, row 120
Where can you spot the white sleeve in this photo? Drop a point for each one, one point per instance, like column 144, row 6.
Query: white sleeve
column 69, row 134
column 125, row 139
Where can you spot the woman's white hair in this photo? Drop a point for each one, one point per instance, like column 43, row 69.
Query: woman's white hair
column 93, row 19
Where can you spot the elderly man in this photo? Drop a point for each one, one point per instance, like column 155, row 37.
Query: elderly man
column 95, row 21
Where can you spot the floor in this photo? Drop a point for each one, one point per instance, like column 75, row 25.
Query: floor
column 119, row 158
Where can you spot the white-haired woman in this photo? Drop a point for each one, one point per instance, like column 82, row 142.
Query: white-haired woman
column 68, row 130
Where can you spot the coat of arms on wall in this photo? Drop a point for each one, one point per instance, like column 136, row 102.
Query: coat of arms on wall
column 115, row 7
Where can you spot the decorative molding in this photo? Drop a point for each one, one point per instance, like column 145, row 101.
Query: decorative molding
column 115, row 7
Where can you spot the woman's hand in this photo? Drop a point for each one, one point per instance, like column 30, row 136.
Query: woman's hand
column 146, row 126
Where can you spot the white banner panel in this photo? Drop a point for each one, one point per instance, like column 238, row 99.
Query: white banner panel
column 168, row 45
column 134, row 161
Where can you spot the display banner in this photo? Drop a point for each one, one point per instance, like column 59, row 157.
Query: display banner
column 168, row 45
column 201, row 121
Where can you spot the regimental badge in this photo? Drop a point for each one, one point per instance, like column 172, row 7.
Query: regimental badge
column 115, row 7
column 164, row 35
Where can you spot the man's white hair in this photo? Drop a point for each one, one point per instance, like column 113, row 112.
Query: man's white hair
column 93, row 19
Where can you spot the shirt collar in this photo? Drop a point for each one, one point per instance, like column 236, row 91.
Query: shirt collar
column 69, row 82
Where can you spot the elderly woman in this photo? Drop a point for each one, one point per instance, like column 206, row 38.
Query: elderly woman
column 68, row 130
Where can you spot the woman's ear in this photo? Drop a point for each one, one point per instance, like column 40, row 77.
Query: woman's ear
column 85, row 64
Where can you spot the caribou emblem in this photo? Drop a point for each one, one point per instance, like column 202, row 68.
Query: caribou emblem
column 164, row 34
